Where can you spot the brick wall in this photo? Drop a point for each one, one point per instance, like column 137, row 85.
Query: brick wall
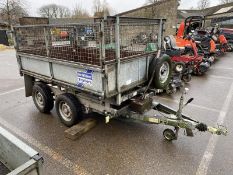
column 166, row 9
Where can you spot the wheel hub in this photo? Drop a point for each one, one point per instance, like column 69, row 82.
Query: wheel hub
column 39, row 99
column 65, row 111
column 164, row 72
column 179, row 68
column 169, row 135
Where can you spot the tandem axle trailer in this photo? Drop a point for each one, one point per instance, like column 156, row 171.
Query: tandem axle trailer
column 112, row 66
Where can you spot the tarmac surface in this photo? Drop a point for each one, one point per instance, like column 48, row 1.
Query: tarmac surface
column 122, row 147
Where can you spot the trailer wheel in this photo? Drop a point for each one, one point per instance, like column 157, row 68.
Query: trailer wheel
column 69, row 109
column 163, row 72
column 42, row 97
column 169, row 135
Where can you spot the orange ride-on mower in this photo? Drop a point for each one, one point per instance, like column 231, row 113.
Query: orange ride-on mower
column 206, row 45
column 228, row 33
column 193, row 25
column 219, row 37
column 224, row 43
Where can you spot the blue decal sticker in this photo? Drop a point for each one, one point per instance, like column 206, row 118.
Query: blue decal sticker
column 80, row 85
column 85, row 78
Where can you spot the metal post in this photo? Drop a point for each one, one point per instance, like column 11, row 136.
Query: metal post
column 102, row 55
column 14, row 36
column 118, row 62
column 46, row 41
column 75, row 39
column 160, row 34
column 111, row 34
column 16, row 46
column 147, row 67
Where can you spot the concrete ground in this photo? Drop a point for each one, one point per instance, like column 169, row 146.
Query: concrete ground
column 121, row 147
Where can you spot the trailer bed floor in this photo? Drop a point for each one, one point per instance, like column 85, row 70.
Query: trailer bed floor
column 3, row 169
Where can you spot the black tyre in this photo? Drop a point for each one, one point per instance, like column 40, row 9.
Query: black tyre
column 69, row 109
column 42, row 97
column 163, row 72
column 179, row 67
column 169, row 135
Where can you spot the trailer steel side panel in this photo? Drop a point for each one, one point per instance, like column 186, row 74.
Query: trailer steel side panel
column 133, row 71
column 71, row 75
column 36, row 66
column 18, row 157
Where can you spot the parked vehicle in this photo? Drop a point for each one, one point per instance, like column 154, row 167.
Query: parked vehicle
column 113, row 81
column 228, row 33
column 176, row 79
column 220, row 39
column 194, row 25
column 194, row 63
column 181, row 68
column 16, row 157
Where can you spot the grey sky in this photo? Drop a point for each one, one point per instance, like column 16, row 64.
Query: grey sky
column 117, row 5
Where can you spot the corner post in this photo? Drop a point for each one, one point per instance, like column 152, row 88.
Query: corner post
column 118, row 61
column 160, row 34
column 103, row 54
